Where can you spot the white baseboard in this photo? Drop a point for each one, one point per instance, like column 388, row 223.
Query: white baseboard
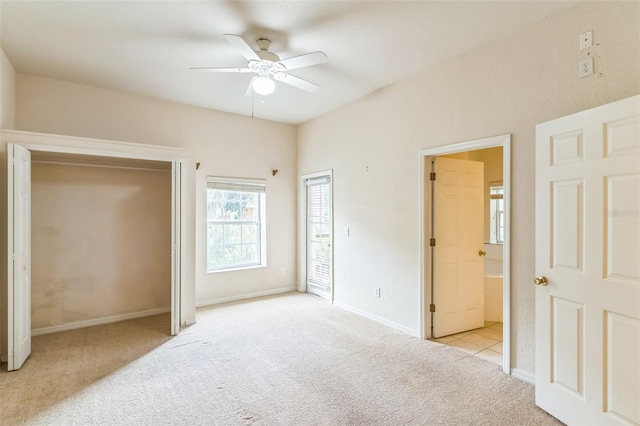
column 406, row 330
column 209, row 302
column 98, row 321
column 523, row 375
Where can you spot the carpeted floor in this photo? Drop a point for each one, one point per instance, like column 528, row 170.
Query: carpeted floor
column 283, row 360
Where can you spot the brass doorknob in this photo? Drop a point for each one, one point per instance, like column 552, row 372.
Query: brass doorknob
column 541, row 281
column 481, row 253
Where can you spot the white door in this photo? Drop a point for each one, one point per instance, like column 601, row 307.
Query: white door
column 319, row 236
column 19, row 251
column 458, row 230
column 176, row 244
column 588, row 265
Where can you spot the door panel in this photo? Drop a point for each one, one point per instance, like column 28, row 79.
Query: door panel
column 19, row 249
column 622, row 355
column 588, row 246
column 458, row 275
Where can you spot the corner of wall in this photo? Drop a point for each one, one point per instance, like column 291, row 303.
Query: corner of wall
column 7, row 92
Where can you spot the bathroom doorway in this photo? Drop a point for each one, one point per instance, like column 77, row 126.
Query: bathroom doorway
column 473, row 319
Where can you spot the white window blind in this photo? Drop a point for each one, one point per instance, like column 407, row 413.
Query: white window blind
column 236, row 184
column 318, row 232
column 318, row 181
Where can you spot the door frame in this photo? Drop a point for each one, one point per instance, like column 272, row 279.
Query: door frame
column 302, row 261
column 501, row 141
column 114, row 149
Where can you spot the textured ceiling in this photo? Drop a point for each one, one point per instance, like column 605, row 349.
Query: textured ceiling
column 147, row 47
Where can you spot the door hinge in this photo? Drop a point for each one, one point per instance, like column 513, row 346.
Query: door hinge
column 432, row 242
column 432, row 308
column 432, row 176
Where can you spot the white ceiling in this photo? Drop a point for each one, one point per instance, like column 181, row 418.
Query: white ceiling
column 147, row 47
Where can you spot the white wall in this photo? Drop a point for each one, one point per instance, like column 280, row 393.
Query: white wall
column 101, row 242
column 225, row 145
column 507, row 86
column 7, row 92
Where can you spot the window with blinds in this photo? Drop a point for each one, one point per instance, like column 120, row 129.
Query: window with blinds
column 318, row 232
column 496, row 210
column 235, row 223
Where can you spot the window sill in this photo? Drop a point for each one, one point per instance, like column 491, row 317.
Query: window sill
column 239, row 268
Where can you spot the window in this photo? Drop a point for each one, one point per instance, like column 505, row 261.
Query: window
column 496, row 195
column 235, row 223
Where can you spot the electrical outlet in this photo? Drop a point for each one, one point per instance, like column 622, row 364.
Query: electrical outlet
column 377, row 292
column 585, row 68
column 586, row 40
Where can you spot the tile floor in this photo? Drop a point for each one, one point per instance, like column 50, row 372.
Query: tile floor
column 484, row 342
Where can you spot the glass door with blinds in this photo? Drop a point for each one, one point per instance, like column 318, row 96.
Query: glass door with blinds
column 319, row 236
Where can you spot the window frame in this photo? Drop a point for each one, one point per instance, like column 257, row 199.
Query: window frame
column 497, row 212
column 239, row 186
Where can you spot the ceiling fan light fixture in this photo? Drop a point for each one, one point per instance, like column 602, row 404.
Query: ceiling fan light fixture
column 263, row 85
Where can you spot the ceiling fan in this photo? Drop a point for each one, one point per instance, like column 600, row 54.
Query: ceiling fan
column 268, row 66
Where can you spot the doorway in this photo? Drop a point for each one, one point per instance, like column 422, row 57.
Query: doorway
column 489, row 300
column 319, row 234
column 19, row 286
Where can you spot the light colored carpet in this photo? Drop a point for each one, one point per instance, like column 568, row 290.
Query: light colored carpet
column 285, row 360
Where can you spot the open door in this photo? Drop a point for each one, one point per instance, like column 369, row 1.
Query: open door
column 457, row 242
column 19, row 253
column 587, row 265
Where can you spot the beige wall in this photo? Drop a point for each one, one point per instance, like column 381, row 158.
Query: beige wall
column 7, row 92
column 101, row 242
column 224, row 144
column 507, row 86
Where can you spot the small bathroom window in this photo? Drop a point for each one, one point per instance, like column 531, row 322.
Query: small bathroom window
column 496, row 196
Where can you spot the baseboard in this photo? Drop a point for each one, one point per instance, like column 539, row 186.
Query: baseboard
column 98, row 321
column 244, row 296
column 523, row 375
column 402, row 328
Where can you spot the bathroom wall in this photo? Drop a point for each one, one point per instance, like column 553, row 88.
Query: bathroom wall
column 493, row 259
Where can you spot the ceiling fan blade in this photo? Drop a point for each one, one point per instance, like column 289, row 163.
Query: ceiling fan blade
column 305, row 60
column 218, row 69
column 297, row 82
column 239, row 43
